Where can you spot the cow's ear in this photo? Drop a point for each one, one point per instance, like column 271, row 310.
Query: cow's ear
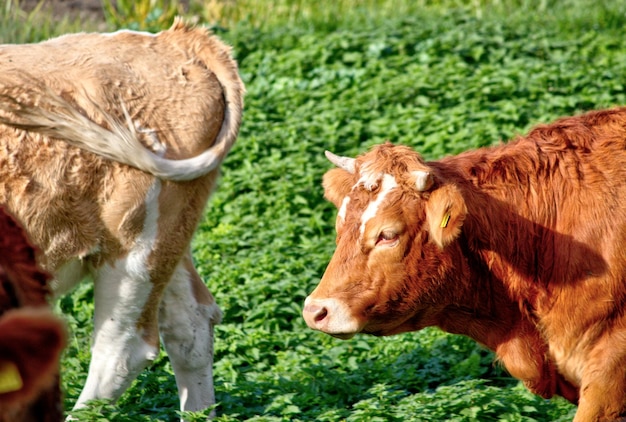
column 445, row 213
column 337, row 184
column 31, row 342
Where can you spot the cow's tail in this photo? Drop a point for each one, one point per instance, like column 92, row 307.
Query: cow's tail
column 36, row 108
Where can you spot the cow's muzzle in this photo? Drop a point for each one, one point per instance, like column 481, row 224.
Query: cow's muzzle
column 330, row 316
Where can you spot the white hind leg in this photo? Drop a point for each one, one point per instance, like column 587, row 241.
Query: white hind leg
column 187, row 315
column 119, row 351
column 121, row 348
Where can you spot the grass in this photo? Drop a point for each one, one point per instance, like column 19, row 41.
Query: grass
column 440, row 76
column 17, row 26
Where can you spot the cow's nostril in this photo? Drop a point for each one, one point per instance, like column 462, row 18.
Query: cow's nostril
column 320, row 314
column 315, row 314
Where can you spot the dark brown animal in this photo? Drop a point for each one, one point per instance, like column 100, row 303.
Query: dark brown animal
column 31, row 337
column 521, row 247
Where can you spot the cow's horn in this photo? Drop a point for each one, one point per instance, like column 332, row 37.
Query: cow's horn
column 423, row 180
column 345, row 163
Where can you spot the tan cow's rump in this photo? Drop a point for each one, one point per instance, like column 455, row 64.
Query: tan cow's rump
column 110, row 145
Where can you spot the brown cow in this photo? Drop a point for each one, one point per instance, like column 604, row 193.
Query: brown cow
column 110, row 145
column 521, row 247
column 31, row 336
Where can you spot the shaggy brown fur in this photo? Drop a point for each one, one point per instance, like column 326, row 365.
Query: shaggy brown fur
column 519, row 246
column 31, row 337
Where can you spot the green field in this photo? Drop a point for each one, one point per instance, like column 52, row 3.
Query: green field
column 441, row 76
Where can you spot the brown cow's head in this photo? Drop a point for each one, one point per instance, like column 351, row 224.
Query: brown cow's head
column 396, row 220
column 31, row 336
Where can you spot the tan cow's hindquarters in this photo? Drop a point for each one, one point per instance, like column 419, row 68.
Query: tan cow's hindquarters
column 110, row 146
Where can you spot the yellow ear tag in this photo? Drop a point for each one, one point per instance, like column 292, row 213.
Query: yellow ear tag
column 445, row 220
column 10, row 379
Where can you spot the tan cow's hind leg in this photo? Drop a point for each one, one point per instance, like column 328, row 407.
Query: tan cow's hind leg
column 122, row 290
column 119, row 352
column 187, row 315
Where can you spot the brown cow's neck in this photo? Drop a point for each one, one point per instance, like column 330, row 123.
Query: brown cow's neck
column 507, row 223
column 483, row 308
column 510, row 233
column 500, row 238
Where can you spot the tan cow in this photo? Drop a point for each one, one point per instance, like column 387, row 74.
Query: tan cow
column 521, row 247
column 109, row 149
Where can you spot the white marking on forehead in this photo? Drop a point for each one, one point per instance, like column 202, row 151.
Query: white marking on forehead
column 389, row 183
column 343, row 209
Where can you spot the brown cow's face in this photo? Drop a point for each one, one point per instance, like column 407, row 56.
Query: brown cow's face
column 392, row 227
column 31, row 336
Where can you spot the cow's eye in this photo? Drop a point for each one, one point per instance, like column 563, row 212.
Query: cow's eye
column 387, row 238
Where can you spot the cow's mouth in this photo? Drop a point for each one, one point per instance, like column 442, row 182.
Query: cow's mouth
column 390, row 326
column 343, row 336
column 381, row 332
